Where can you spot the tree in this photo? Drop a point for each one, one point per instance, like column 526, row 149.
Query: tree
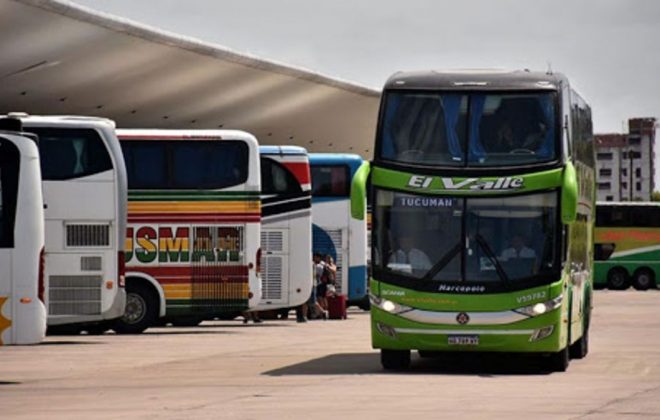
column 655, row 196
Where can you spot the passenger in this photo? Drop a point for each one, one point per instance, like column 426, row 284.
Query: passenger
column 408, row 255
column 504, row 138
column 535, row 139
column 517, row 249
column 315, row 309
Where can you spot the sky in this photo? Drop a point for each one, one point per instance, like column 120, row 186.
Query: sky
column 607, row 48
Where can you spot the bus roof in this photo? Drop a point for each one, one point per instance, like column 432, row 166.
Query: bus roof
column 282, row 150
column 62, row 120
column 167, row 134
column 476, row 80
column 352, row 160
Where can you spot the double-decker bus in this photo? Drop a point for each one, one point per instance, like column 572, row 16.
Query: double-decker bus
column 336, row 232
column 22, row 311
column 627, row 245
column 483, row 207
column 193, row 237
column 84, row 190
column 286, row 227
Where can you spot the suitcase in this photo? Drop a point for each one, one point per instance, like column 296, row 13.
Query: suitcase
column 337, row 307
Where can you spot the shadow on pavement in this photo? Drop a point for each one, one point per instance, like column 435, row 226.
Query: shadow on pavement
column 483, row 365
column 68, row 342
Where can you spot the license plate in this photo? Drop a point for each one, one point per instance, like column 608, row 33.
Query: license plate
column 463, row 340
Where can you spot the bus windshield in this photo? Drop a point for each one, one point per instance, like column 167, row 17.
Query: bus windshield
column 469, row 240
column 473, row 130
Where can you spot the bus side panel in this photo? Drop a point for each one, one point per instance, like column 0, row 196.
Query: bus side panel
column 357, row 275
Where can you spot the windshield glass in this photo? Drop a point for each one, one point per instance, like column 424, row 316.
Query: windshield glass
column 434, row 129
column 470, row 240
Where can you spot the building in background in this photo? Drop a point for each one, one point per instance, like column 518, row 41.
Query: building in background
column 626, row 162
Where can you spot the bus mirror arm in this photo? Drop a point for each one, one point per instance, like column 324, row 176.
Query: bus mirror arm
column 569, row 194
column 359, row 191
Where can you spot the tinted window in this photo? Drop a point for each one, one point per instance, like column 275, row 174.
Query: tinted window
column 68, row 153
column 185, row 165
column 276, row 179
column 330, row 181
column 435, row 129
column 9, row 166
column 628, row 216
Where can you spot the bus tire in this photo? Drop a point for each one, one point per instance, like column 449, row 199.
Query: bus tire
column 141, row 309
column 580, row 348
column 643, row 279
column 618, row 279
column 558, row 362
column 395, row 359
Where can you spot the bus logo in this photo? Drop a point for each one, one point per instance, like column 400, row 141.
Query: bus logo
column 473, row 184
column 462, row 318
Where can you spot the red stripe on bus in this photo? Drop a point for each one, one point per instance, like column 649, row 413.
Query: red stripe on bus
column 195, row 217
column 300, row 170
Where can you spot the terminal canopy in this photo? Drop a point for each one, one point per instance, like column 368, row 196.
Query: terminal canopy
column 60, row 58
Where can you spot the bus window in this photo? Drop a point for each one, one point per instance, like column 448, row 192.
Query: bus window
column 71, row 153
column 277, row 180
column 330, row 181
column 9, row 162
column 145, row 165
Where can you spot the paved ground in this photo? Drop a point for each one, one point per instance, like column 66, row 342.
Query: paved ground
column 326, row 369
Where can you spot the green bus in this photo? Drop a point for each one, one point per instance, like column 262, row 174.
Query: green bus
column 483, row 202
column 627, row 245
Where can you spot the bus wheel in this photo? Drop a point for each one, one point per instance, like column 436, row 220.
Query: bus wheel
column 140, row 313
column 618, row 279
column 558, row 362
column 580, row 348
column 644, row 279
column 395, row 359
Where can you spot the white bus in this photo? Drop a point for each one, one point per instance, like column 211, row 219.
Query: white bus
column 84, row 187
column 194, row 222
column 286, row 227
column 22, row 312
column 335, row 231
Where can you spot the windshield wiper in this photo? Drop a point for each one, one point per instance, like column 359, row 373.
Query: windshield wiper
column 443, row 262
column 491, row 256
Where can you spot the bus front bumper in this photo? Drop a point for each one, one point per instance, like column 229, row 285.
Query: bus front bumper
column 541, row 334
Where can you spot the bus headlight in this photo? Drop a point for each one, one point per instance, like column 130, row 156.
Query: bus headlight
column 388, row 305
column 541, row 307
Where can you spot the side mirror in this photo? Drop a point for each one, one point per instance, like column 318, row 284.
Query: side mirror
column 569, row 195
column 359, row 192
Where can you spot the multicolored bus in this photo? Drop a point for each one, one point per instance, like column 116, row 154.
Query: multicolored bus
column 84, row 188
column 627, row 248
column 335, row 231
column 22, row 310
column 194, row 222
column 483, row 207
column 286, row 227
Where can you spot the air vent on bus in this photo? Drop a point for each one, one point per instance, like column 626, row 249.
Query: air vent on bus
column 271, row 277
column 79, row 235
column 91, row 263
column 272, row 241
column 74, row 295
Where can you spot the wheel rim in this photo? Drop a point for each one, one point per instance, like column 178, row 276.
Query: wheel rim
column 618, row 280
column 136, row 309
column 643, row 280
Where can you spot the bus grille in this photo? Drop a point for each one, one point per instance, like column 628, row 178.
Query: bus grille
column 87, row 235
column 91, row 263
column 74, row 295
column 219, row 274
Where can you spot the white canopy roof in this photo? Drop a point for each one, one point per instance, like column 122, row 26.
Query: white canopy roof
column 60, row 58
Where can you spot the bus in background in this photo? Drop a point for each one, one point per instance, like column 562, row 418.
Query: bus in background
column 335, row 231
column 84, row 188
column 22, row 311
column 286, row 227
column 483, row 208
column 194, row 217
column 627, row 245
